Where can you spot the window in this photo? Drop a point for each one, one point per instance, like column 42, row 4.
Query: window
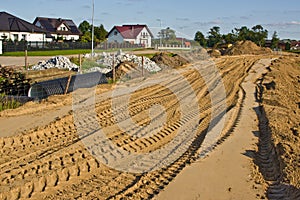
column 24, row 37
column 116, row 33
column 145, row 35
column 4, row 37
column 16, row 37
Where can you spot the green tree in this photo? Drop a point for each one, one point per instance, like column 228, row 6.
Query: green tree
column 200, row 38
column 214, row 37
column 244, row 33
column 167, row 34
column 100, row 33
column 85, row 27
column 230, row 38
column 86, row 37
column 274, row 41
column 259, row 35
column 288, row 46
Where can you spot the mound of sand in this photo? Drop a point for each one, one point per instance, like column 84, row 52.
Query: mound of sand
column 282, row 105
column 126, row 70
column 246, row 47
column 170, row 60
column 214, row 53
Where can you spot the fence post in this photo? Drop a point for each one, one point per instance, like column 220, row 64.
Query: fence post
column 142, row 66
column 68, row 84
column 114, row 69
column 1, row 47
column 80, row 63
column 26, row 58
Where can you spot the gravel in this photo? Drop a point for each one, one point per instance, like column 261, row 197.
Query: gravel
column 106, row 60
column 59, row 62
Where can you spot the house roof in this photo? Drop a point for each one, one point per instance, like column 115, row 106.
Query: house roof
column 51, row 25
column 11, row 23
column 130, row 31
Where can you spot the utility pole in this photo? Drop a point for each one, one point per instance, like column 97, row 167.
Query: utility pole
column 93, row 13
column 160, row 37
column 181, row 37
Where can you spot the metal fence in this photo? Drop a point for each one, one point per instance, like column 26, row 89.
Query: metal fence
column 9, row 46
column 115, row 45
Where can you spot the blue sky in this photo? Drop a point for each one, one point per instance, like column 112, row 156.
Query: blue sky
column 185, row 16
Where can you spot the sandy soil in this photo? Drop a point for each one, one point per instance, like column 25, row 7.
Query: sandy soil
column 227, row 170
column 278, row 157
column 44, row 158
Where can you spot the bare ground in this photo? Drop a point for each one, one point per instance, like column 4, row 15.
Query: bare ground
column 46, row 160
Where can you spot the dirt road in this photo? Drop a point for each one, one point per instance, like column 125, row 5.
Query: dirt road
column 20, row 61
column 57, row 158
column 226, row 173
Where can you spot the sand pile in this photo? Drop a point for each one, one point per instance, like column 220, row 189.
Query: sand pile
column 281, row 102
column 169, row 59
column 246, row 47
column 214, row 53
column 126, row 70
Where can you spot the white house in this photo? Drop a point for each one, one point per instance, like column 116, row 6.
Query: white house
column 64, row 29
column 134, row 34
column 16, row 29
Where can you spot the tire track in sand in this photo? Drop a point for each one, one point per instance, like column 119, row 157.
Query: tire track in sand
column 50, row 162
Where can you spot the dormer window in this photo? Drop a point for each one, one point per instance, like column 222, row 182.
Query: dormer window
column 62, row 28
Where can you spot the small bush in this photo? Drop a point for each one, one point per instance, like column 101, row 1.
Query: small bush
column 75, row 60
column 8, row 103
column 89, row 63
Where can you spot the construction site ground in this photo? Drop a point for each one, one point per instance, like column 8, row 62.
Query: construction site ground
column 256, row 155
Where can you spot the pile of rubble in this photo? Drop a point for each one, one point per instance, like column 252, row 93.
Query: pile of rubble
column 107, row 60
column 59, row 62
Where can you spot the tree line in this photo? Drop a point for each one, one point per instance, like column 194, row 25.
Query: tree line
column 256, row 34
column 86, row 28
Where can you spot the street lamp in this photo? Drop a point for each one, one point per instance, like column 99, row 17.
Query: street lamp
column 160, row 36
column 181, row 37
column 93, row 29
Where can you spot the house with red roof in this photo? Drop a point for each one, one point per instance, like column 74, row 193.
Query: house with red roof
column 134, row 34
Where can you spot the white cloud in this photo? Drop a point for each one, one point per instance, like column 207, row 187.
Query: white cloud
column 284, row 24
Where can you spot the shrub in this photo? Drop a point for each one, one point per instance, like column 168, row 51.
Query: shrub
column 8, row 103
